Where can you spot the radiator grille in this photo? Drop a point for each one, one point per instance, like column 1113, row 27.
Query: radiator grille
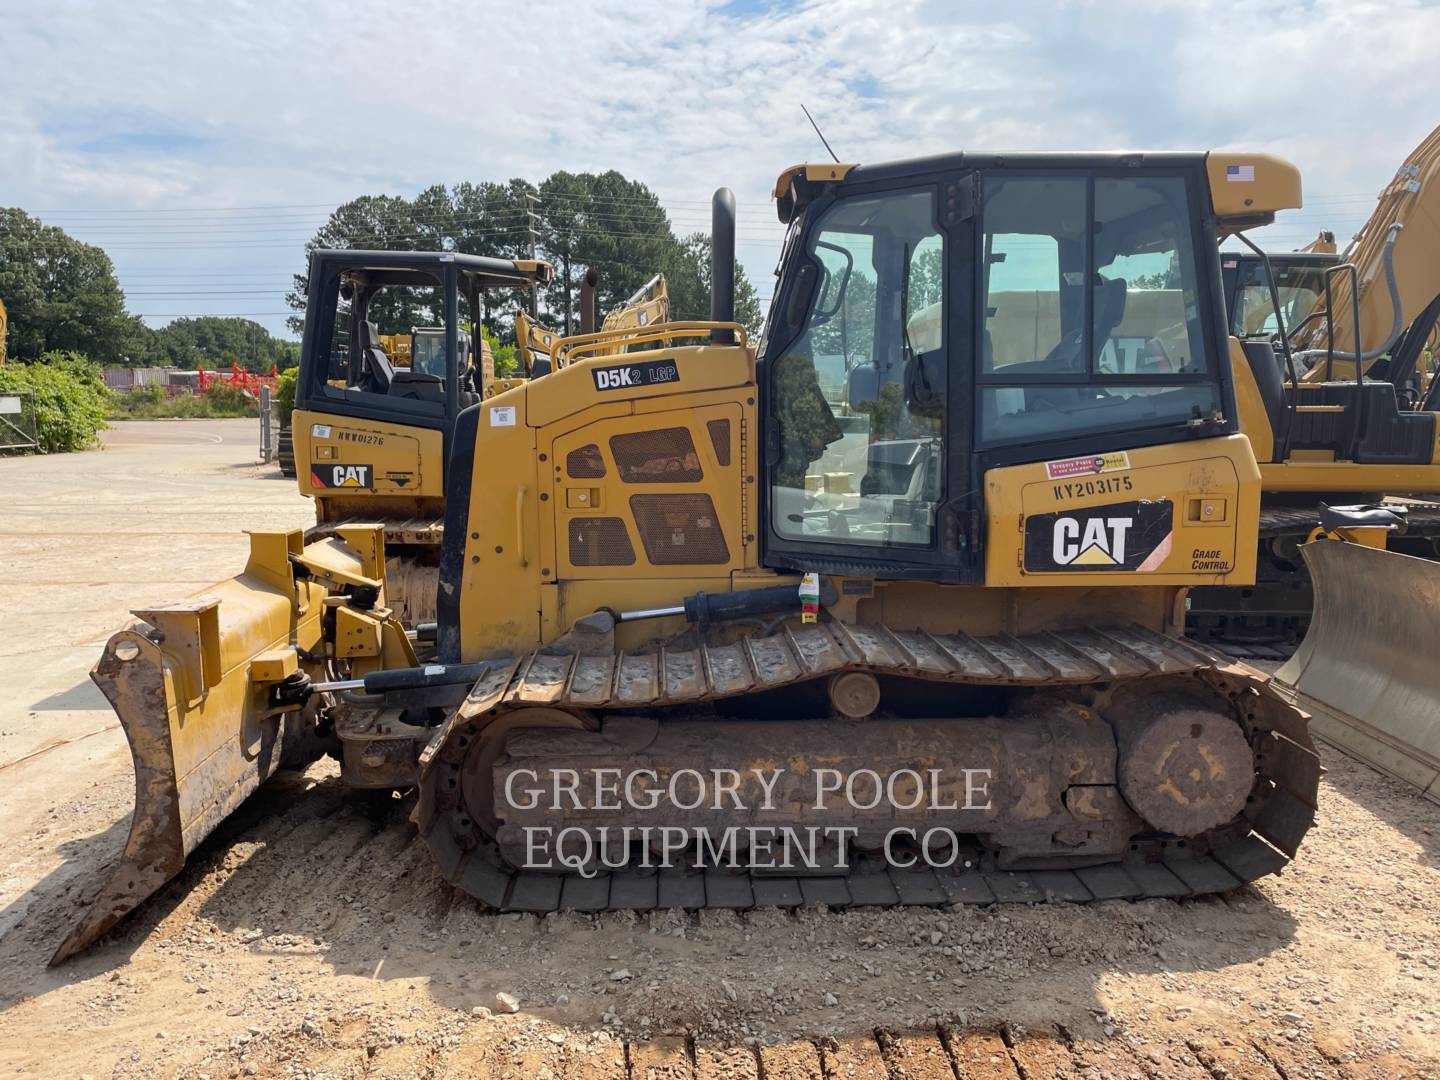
column 679, row 529
column 600, row 541
column 585, row 463
column 666, row 456
column 720, row 437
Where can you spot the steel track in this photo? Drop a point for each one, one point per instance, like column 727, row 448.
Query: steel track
column 1261, row 841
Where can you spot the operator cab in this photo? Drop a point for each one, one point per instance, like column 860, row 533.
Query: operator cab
column 941, row 317
column 1313, row 406
column 1299, row 286
column 390, row 335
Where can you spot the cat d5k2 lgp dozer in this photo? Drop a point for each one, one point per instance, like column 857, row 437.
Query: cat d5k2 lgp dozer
column 884, row 609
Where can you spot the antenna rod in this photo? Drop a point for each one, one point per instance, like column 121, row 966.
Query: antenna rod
column 818, row 132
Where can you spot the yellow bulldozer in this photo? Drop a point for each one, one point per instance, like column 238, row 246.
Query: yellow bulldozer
column 885, row 608
column 375, row 413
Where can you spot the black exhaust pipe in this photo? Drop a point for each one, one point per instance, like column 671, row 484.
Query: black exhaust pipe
column 722, row 263
column 590, row 301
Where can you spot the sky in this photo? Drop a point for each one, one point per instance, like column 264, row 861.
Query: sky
column 202, row 144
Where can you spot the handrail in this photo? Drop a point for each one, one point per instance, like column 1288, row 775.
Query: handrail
column 574, row 347
column 520, row 494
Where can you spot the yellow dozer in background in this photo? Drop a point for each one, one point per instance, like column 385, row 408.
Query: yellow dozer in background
column 886, row 609
column 374, row 413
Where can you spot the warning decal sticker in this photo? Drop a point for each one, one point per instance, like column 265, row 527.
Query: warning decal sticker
column 1088, row 465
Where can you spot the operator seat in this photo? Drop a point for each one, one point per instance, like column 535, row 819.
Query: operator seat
column 417, row 385
column 377, row 372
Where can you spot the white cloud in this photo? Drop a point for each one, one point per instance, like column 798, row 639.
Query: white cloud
column 304, row 104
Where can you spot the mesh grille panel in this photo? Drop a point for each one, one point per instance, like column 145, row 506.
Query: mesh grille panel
column 679, row 529
column 585, row 463
column 720, row 437
column 666, row 456
column 600, row 541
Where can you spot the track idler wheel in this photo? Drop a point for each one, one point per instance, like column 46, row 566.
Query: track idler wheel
column 1185, row 765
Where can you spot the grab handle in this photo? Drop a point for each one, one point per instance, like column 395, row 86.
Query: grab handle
column 520, row 523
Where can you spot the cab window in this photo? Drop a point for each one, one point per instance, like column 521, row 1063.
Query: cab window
column 387, row 345
column 1301, row 290
column 859, row 395
column 1089, row 289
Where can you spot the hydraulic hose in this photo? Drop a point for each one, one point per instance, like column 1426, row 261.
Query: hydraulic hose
column 1388, row 261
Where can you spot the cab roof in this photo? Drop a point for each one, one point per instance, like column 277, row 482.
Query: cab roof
column 1246, row 189
column 422, row 267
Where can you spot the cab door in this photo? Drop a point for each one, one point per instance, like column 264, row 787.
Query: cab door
column 866, row 385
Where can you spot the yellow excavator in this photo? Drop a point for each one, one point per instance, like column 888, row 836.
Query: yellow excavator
column 885, row 608
column 538, row 349
column 1325, row 431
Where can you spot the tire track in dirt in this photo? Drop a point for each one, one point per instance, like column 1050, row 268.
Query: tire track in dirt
column 516, row 1047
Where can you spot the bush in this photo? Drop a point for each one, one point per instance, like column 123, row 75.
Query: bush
column 70, row 399
column 227, row 399
column 151, row 403
column 283, row 400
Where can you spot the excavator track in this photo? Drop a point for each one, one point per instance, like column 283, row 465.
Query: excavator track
column 543, row 708
column 1268, row 620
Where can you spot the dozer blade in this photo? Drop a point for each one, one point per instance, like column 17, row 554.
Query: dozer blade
column 1369, row 667
column 191, row 686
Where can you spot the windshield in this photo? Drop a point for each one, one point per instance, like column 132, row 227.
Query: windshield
column 427, row 352
column 1300, row 287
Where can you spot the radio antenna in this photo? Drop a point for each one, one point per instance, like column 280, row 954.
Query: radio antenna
column 818, row 132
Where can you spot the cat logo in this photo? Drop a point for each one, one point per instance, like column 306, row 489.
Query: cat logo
column 1133, row 536
column 1094, row 542
column 340, row 476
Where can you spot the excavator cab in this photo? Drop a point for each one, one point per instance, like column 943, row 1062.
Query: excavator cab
column 1299, row 279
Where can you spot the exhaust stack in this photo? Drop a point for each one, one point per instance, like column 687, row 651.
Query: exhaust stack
column 590, row 301
column 722, row 263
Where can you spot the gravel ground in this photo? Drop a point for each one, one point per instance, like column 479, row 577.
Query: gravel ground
column 310, row 938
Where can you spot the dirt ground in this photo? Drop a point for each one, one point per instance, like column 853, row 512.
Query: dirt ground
column 309, row 938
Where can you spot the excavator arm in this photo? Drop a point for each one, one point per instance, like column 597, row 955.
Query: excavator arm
column 1400, row 240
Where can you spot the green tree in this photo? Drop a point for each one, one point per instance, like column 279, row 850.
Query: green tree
column 70, row 399
column 62, row 294
column 493, row 219
column 687, row 274
column 215, row 342
column 602, row 220
column 376, row 222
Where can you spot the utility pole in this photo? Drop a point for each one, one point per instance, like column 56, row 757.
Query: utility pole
column 533, row 220
column 567, row 293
